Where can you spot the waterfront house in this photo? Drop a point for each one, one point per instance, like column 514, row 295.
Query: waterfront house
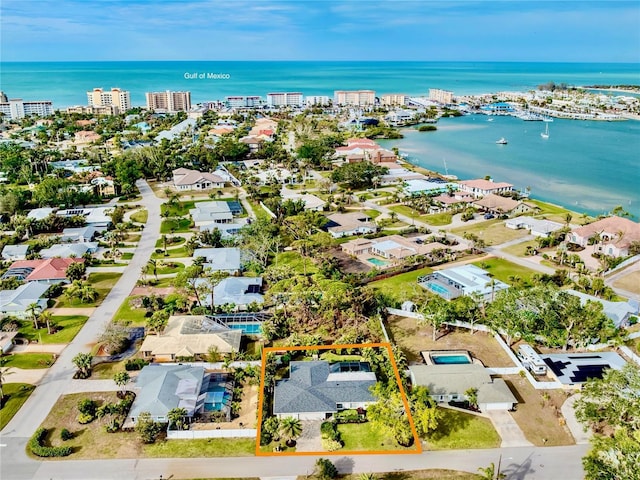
column 15, row 252
column 448, row 383
column 316, row 390
column 498, row 205
column 190, row 337
column 352, row 223
column 185, row 179
column 611, row 236
column 17, row 302
column 538, row 228
column 455, row 282
column 481, row 187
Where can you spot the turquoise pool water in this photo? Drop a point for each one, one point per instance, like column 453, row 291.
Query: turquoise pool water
column 377, row 262
column 449, row 359
column 439, row 289
column 215, row 398
column 247, row 328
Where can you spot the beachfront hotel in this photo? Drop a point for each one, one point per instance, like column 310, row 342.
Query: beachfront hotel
column 285, row 99
column 356, row 98
column 169, row 101
column 394, row 99
column 440, row 96
column 243, row 101
column 16, row 108
column 119, row 100
column 320, row 100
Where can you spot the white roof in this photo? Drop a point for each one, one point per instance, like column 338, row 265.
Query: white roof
column 12, row 251
column 40, row 213
column 220, row 259
column 472, row 279
column 419, row 185
column 68, row 250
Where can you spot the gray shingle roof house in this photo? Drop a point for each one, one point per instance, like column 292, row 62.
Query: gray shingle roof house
column 16, row 302
column 160, row 388
column 15, row 252
column 240, row 291
column 315, row 390
column 220, row 259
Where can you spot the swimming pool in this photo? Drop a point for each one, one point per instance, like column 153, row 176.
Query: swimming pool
column 247, row 328
column 435, row 288
column 440, row 359
column 216, row 398
column 377, row 262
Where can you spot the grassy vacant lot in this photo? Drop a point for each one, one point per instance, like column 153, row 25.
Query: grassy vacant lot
column 129, row 315
column 92, row 442
column 401, row 286
column 493, row 232
column 555, row 213
column 435, row 219
column 68, row 326
column 106, row 371
column 458, row 430
column 629, row 282
column 295, row 261
column 175, row 226
column 520, row 248
column 539, row 418
column 140, row 216
column 413, row 339
column 502, row 270
column 416, row 475
column 28, row 360
column 15, row 395
column 364, row 436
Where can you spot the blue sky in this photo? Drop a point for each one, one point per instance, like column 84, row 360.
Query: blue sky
column 480, row 30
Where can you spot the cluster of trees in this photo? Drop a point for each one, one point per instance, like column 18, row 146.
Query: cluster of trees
column 359, row 175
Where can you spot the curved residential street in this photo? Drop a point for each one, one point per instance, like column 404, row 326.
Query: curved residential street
column 58, row 379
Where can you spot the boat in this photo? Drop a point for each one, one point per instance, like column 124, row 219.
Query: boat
column 502, row 141
column 545, row 134
column 547, row 119
column 489, row 119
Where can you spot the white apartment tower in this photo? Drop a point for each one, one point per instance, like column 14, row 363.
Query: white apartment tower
column 16, row 108
column 169, row 101
column 356, row 98
column 285, row 99
column 440, row 96
column 118, row 99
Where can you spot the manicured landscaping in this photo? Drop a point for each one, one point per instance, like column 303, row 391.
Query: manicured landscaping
column 175, row 226
column 205, row 447
column 458, row 430
column 438, row 219
column 179, row 252
column 67, row 327
column 27, row 360
column 411, row 212
column 165, row 268
column 434, row 474
column 127, row 256
column 365, row 436
column 493, row 232
column 129, row 315
column 141, row 216
column 15, row 395
column 505, row 270
column 401, row 286
column 171, row 242
column 180, row 209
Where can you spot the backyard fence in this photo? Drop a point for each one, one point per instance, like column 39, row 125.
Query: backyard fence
column 226, row 433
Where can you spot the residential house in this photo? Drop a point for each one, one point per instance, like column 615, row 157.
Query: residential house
column 429, row 186
column 574, row 369
column 205, row 213
column 253, row 142
column 274, row 175
column 448, row 383
column 481, row 187
column 186, row 126
column 497, row 205
column 538, row 228
column 185, row 179
column 17, row 302
column 619, row 312
column 357, row 246
column 69, row 250
column 80, row 235
column 104, row 186
column 395, row 247
column 86, row 136
column 161, row 388
column 190, row 337
column 97, row 217
column 351, row 223
column 48, row 271
column 455, row 282
column 359, row 149
column 40, row 213
column 311, row 202
column 220, row 259
column 74, row 166
column 611, row 236
column 15, row 252
column 6, row 340
column 316, row 390
column 238, row 291
column 451, row 202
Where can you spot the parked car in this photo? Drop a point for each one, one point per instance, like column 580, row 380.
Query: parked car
column 489, row 216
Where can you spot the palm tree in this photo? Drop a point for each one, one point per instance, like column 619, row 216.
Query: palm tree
column 290, row 429
column 46, row 317
column 34, row 310
column 83, row 362
column 121, row 379
column 3, row 374
column 154, row 267
column 490, row 472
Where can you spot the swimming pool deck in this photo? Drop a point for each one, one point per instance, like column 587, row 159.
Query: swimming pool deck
column 426, row 355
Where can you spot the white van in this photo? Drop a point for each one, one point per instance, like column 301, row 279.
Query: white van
column 532, row 360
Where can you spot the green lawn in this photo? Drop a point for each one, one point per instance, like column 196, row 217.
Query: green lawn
column 334, row 357
column 373, row 214
column 258, row 210
column 141, row 216
column 556, row 213
column 180, row 209
column 365, row 436
column 409, row 212
column 458, row 430
column 103, row 282
column 520, row 248
column 27, row 360
column 503, row 269
column 68, row 326
column 127, row 256
column 15, row 395
column 176, row 226
column 178, row 252
column 171, row 242
column 205, row 447
column 130, row 316
column 438, row 219
column 105, row 371
column 493, row 232
column 401, row 286
column 167, row 266
column 295, row 261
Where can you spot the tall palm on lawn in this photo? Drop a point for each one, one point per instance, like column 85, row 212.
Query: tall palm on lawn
column 3, row 374
column 34, row 310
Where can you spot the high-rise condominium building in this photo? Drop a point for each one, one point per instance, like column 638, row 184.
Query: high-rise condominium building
column 285, row 99
column 440, row 96
column 169, row 101
column 356, row 98
column 16, row 108
column 394, row 99
column 320, row 100
column 116, row 97
column 243, row 101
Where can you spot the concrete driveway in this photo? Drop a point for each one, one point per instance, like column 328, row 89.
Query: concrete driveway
column 508, row 429
column 309, row 440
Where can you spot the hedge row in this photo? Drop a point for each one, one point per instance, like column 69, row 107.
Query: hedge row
column 36, row 447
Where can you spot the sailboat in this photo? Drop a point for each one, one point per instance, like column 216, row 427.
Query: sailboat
column 545, row 134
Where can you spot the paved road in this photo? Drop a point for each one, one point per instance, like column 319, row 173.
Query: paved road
column 58, row 378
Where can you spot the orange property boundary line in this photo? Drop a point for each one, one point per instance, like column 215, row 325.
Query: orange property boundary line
column 403, row 395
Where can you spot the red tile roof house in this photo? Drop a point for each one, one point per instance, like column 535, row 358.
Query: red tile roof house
column 359, row 149
column 616, row 235
column 50, row 270
column 481, row 187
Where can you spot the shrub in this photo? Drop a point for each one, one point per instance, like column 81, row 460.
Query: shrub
column 36, row 447
column 331, row 445
column 65, row 435
column 329, row 431
column 135, row 364
column 85, row 418
column 88, row 406
column 348, row 416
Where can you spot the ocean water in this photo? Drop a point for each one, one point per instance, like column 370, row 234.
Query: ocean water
column 587, row 166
